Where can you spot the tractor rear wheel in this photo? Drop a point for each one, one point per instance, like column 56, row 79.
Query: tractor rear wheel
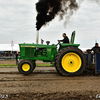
column 26, row 67
column 70, row 61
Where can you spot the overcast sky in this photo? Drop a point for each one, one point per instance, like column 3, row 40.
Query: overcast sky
column 18, row 18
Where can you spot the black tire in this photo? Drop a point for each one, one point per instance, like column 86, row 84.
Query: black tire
column 56, row 63
column 31, row 68
column 60, row 55
column 34, row 64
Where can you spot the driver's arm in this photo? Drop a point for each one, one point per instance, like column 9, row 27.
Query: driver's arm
column 61, row 40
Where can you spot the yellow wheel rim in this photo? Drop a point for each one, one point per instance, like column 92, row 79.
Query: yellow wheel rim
column 71, row 62
column 25, row 67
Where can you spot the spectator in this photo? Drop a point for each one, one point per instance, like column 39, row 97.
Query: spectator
column 96, row 49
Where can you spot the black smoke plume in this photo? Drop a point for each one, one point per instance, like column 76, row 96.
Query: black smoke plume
column 47, row 10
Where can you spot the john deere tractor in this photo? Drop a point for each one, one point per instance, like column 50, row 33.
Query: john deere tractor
column 69, row 59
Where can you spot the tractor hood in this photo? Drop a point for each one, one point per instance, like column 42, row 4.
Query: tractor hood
column 38, row 45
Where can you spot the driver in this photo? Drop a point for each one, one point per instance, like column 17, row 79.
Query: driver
column 65, row 40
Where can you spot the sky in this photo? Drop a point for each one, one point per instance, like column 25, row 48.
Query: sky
column 18, row 18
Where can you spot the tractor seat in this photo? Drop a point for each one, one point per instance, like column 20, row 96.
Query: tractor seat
column 72, row 37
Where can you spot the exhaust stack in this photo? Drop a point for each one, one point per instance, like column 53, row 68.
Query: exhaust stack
column 37, row 38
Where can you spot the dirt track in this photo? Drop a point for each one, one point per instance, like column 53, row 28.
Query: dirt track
column 45, row 84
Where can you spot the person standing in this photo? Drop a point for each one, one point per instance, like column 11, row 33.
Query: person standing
column 96, row 48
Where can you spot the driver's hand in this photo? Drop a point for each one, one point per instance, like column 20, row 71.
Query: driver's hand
column 88, row 50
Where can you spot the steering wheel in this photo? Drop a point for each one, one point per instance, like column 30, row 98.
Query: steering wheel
column 58, row 43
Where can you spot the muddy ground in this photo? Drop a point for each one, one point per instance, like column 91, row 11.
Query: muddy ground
column 11, row 62
column 46, row 84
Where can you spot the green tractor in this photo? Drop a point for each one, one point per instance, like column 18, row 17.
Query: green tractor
column 69, row 59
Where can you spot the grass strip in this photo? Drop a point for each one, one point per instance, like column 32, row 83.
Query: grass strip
column 39, row 65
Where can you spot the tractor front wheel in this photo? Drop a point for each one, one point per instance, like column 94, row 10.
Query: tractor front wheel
column 26, row 67
column 70, row 61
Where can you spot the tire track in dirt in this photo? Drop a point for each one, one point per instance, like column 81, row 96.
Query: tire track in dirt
column 49, row 86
